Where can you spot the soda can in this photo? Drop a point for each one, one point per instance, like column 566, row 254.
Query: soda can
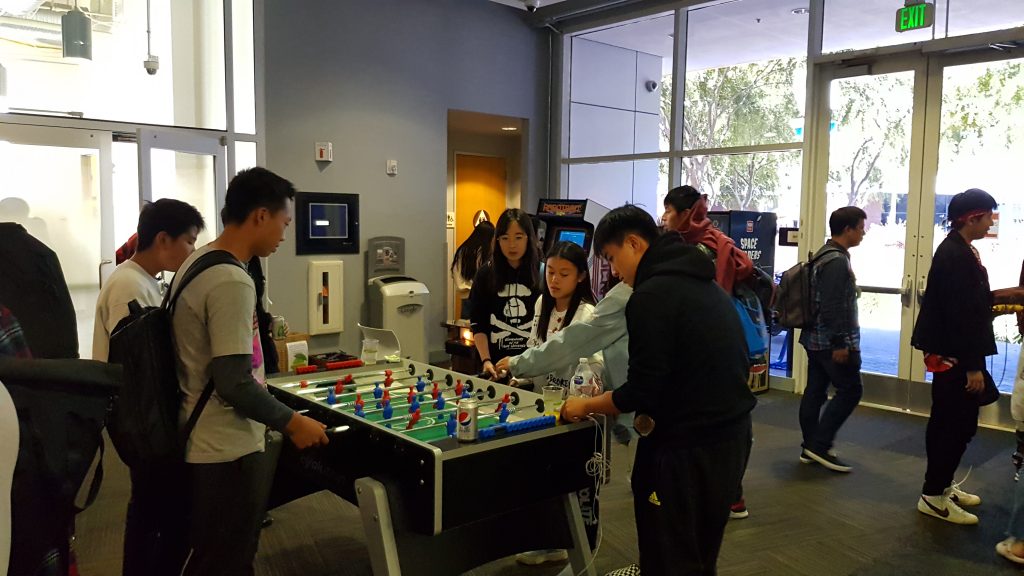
column 467, row 430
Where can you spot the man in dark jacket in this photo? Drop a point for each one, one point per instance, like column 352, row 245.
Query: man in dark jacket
column 833, row 342
column 954, row 330
column 687, row 382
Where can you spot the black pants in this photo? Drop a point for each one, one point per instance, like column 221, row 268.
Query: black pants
column 156, row 528
column 952, row 425
column 819, row 426
column 681, row 498
column 228, row 501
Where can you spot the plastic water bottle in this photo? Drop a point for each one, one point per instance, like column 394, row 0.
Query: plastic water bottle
column 582, row 380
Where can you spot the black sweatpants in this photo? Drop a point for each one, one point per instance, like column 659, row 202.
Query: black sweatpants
column 228, row 501
column 681, row 498
column 156, row 528
column 952, row 425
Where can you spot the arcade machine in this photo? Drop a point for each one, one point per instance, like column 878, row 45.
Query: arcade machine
column 754, row 233
column 573, row 221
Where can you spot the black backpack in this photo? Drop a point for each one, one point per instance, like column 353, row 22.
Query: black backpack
column 793, row 306
column 143, row 424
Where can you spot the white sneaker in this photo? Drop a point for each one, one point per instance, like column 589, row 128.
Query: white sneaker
column 537, row 557
column 1004, row 549
column 960, row 497
column 943, row 508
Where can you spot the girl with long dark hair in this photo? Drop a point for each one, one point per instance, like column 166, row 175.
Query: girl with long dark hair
column 470, row 256
column 505, row 291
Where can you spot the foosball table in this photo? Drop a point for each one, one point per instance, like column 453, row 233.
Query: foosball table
column 432, row 504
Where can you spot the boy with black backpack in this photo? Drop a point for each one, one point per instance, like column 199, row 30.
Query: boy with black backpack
column 216, row 340
column 832, row 341
column 154, row 543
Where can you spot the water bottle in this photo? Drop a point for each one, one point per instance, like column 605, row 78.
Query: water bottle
column 582, row 379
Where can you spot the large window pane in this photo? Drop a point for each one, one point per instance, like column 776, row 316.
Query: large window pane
column 860, row 24
column 750, row 92
column 189, row 178
column 245, row 155
column 244, row 66
column 621, row 88
column 612, row 184
column 187, row 37
column 762, row 182
column 868, row 167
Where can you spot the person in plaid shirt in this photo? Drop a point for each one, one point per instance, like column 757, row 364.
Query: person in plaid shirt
column 833, row 343
column 12, row 340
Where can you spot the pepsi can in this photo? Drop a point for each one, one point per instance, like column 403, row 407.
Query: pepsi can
column 468, row 431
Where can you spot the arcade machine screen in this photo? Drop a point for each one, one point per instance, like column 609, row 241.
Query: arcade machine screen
column 578, row 237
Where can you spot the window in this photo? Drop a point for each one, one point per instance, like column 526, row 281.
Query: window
column 187, row 36
column 621, row 89
column 861, row 24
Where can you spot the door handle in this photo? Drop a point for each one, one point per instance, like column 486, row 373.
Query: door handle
column 99, row 270
column 922, row 285
column 906, row 291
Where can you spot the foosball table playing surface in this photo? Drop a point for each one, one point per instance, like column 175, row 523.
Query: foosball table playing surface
column 401, row 452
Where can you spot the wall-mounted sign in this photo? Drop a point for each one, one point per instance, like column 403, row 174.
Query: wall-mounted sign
column 915, row 15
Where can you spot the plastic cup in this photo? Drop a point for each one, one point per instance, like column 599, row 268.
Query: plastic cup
column 369, row 355
column 553, row 399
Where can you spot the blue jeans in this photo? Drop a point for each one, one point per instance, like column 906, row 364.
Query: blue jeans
column 1016, row 527
column 820, row 427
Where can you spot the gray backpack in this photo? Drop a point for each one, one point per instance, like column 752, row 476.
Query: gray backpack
column 793, row 306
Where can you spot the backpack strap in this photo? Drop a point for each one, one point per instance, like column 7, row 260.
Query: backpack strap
column 200, row 265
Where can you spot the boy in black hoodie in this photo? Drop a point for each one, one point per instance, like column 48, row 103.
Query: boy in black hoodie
column 687, row 382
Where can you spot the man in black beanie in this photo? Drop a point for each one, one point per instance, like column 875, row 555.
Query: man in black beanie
column 954, row 330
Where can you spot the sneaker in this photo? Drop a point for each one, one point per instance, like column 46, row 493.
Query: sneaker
column 804, row 459
column 960, row 497
column 738, row 511
column 1005, row 549
column 537, row 557
column 943, row 508
column 829, row 460
column 631, row 570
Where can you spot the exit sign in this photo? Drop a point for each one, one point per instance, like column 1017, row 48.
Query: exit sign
column 915, row 16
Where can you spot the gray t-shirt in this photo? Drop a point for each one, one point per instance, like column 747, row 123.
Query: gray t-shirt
column 216, row 316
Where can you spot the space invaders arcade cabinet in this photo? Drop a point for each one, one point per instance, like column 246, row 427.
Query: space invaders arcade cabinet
column 560, row 220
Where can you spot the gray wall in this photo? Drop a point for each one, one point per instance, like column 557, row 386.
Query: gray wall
column 377, row 78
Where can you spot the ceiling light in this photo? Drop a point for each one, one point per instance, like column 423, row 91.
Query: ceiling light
column 76, row 34
column 509, row 128
column 800, row 11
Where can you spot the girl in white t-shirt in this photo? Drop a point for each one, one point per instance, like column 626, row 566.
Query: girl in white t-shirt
column 567, row 299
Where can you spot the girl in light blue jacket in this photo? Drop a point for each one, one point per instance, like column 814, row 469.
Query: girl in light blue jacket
column 604, row 331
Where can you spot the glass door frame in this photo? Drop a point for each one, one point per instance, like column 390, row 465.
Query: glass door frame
column 907, row 391
column 184, row 142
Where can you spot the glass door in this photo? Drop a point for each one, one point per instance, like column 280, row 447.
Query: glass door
column 976, row 106
column 899, row 137
column 874, row 157
column 185, row 167
column 57, row 184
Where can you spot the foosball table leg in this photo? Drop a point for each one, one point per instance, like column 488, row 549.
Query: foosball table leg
column 581, row 561
column 380, row 532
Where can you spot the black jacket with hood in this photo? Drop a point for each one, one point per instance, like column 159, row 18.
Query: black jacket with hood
column 688, row 362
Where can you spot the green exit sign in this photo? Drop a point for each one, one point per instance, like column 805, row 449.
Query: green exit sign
column 915, row 16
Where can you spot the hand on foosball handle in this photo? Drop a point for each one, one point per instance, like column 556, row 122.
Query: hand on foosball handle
column 574, row 409
column 305, row 432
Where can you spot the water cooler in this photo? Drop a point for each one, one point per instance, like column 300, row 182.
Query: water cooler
column 395, row 301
